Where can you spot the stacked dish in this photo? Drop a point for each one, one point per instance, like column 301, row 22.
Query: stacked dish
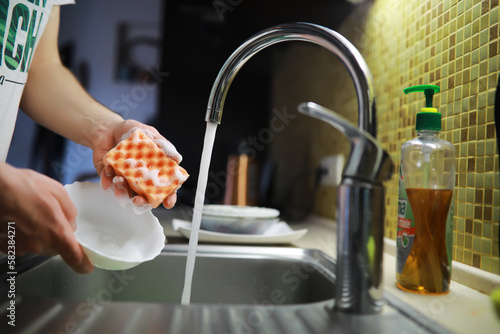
column 238, row 219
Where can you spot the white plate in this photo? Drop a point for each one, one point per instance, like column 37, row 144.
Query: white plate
column 113, row 237
column 279, row 233
column 236, row 211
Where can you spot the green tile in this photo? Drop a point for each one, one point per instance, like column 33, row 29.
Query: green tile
column 482, row 100
column 463, row 149
column 493, row 64
column 460, row 8
column 486, row 246
column 461, row 195
column 461, row 225
column 470, row 179
column 471, row 194
column 487, row 229
column 468, row 242
column 459, row 255
column 468, row 257
column 484, row 37
column 493, row 15
column 486, row 263
column 476, row 244
column 494, row 231
column 479, row 182
column 490, row 147
column 467, row 31
column 461, row 210
column 495, row 267
column 496, row 214
column 469, row 211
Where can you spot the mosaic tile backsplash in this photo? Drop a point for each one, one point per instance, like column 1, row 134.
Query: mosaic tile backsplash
column 453, row 44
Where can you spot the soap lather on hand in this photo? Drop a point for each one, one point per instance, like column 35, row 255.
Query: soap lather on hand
column 146, row 168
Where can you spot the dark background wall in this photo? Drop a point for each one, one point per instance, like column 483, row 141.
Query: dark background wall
column 122, row 50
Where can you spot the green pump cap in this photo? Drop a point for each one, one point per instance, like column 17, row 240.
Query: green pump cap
column 428, row 118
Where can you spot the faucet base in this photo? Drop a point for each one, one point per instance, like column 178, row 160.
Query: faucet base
column 360, row 247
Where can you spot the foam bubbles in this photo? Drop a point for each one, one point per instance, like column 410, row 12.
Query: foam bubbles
column 167, row 147
column 127, row 134
column 125, row 201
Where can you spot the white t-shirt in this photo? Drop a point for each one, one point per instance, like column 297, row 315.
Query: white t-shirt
column 21, row 25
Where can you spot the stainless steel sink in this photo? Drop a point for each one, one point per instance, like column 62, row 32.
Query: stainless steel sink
column 223, row 275
column 235, row 290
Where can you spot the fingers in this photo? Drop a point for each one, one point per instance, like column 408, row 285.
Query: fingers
column 73, row 254
column 121, row 187
column 61, row 238
column 107, row 177
column 67, row 206
column 169, row 202
column 169, row 149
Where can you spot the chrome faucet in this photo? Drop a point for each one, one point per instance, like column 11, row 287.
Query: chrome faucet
column 360, row 216
column 361, row 194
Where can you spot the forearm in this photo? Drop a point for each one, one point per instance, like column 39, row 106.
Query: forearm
column 55, row 99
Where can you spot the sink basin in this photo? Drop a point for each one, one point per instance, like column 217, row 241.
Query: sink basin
column 235, row 290
column 223, row 275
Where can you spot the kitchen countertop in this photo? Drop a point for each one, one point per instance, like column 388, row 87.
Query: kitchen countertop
column 462, row 310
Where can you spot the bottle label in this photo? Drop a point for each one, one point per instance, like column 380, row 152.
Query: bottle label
column 406, row 227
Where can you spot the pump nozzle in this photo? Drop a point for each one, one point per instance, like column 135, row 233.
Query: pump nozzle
column 428, row 90
column 428, row 118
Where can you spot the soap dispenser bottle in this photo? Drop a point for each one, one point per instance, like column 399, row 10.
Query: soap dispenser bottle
column 425, row 205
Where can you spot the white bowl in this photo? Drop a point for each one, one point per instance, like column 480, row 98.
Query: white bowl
column 112, row 236
column 238, row 219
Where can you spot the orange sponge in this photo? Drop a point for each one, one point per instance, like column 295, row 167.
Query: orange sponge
column 146, row 168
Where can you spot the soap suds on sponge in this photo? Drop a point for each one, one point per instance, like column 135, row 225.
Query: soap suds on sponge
column 146, row 166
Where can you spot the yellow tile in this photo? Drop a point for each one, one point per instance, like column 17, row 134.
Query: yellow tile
column 475, row 42
column 475, row 27
column 468, row 257
column 485, row 20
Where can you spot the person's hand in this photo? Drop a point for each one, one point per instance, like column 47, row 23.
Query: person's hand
column 43, row 217
column 107, row 139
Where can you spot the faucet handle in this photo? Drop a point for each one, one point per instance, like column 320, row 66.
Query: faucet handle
column 368, row 161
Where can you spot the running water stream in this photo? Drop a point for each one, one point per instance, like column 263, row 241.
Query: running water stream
column 206, row 154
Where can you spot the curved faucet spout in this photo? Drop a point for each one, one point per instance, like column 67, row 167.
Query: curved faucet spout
column 361, row 193
column 307, row 32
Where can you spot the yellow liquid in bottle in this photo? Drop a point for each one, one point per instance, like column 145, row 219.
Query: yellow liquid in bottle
column 426, row 269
